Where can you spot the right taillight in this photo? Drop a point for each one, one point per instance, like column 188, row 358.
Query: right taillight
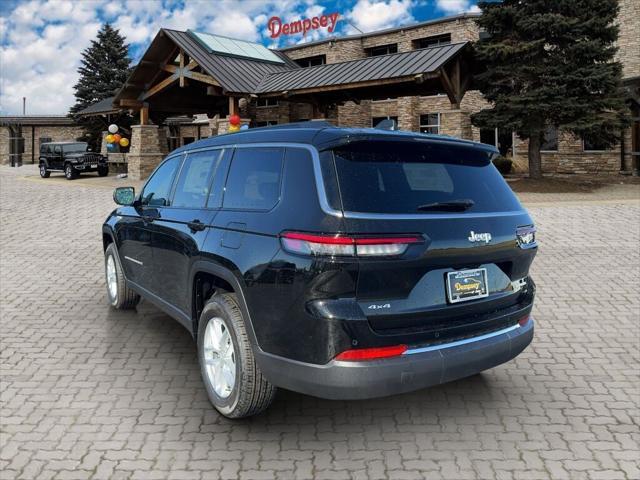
column 339, row 245
column 526, row 236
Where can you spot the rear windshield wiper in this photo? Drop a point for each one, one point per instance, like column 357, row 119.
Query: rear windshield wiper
column 452, row 206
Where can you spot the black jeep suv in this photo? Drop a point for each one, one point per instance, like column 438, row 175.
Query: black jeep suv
column 72, row 158
column 340, row 263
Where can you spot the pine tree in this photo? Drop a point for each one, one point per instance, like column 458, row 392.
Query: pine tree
column 550, row 63
column 104, row 69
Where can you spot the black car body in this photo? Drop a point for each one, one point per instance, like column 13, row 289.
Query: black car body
column 364, row 263
column 72, row 158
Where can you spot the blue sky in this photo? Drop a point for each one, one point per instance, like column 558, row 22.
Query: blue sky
column 41, row 40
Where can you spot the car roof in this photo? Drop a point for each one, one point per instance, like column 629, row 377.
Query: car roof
column 61, row 143
column 322, row 135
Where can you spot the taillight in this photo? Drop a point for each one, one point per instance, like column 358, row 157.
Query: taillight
column 338, row 245
column 523, row 321
column 363, row 354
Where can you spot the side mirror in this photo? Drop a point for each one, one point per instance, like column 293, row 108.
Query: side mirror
column 124, row 195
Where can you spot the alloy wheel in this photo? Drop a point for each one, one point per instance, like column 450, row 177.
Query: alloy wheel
column 219, row 357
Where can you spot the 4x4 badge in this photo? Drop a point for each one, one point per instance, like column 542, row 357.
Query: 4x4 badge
column 479, row 237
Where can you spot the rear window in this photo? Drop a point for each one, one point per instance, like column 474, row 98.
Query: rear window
column 398, row 177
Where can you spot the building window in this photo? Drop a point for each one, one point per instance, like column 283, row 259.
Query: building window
column 550, row 140
column 376, row 120
column 381, row 50
column 312, row 61
column 593, row 144
column 433, row 41
column 267, row 123
column 430, row 123
column 188, row 140
column 501, row 139
column 267, row 102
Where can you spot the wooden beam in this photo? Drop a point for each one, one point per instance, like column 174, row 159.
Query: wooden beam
column 234, row 107
column 130, row 103
column 449, row 88
column 170, row 68
column 144, row 115
column 191, row 65
column 181, row 82
column 201, row 77
column 160, row 86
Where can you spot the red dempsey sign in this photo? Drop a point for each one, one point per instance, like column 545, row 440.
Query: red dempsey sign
column 277, row 28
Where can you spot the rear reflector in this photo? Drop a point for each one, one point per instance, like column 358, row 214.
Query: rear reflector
column 362, row 354
column 311, row 244
column 523, row 321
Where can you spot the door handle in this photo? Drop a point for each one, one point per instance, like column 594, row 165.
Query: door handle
column 196, row 225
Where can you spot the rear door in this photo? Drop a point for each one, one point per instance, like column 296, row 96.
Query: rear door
column 182, row 225
column 469, row 261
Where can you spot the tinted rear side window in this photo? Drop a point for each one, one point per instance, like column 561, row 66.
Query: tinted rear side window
column 397, row 177
column 254, row 179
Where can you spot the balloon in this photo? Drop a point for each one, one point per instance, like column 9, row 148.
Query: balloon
column 124, row 142
column 117, row 137
column 109, row 138
column 234, row 120
column 113, row 128
column 233, row 128
column 244, row 127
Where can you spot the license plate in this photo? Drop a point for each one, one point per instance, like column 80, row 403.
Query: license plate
column 466, row 285
column 94, row 165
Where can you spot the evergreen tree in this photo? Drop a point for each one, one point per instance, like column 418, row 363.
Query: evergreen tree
column 104, row 69
column 550, row 63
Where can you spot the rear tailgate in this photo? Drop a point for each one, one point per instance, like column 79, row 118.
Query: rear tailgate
column 382, row 184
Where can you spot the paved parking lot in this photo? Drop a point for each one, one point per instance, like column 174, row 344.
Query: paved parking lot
column 91, row 393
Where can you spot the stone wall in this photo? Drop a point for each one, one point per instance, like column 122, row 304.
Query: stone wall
column 55, row 132
column 629, row 37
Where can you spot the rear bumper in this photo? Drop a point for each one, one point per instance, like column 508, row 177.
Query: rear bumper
column 417, row 368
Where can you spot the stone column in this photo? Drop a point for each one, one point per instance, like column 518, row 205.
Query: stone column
column 147, row 150
column 223, row 124
column 408, row 116
column 103, row 143
column 456, row 123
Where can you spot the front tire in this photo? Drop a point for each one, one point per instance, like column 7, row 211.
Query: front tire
column 235, row 385
column 120, row 296
column 44, row 173
column 69, row 172
column 103, row 171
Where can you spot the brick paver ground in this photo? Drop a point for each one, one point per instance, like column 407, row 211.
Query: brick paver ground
column 88, row 392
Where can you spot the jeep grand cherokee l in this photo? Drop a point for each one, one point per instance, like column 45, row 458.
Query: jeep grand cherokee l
column 340, row 263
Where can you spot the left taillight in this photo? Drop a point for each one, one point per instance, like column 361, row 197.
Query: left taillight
column 339, row 245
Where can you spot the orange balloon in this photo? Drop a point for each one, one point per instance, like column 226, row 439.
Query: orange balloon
column 117, row 137
column 124, row 142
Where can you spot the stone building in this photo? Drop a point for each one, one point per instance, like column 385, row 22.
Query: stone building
column 21, row 136
column 188, row 84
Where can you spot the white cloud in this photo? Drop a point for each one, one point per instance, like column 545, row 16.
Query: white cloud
column 451, row 7
column 369, row 15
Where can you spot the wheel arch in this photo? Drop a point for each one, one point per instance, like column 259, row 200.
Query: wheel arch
column 221, row 279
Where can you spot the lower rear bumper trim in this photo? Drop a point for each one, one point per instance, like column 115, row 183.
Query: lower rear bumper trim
column 442, row 346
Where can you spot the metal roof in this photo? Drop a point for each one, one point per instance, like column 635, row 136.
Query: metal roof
column 394, row 65
column 235, row 74
column 51, row 120
column 98, row 108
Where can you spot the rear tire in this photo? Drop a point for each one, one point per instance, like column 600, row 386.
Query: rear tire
column 120, row 296
column 250, row 392
column 69, row 172
column 44, row 173
column 103, row 171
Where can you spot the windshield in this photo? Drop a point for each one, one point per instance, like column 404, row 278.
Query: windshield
column 75, row 148
column 401, row 177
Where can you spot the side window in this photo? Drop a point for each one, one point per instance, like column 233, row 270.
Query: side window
column 253, row 182
column 156, row 191
column 192, row 189
column 57, row 149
